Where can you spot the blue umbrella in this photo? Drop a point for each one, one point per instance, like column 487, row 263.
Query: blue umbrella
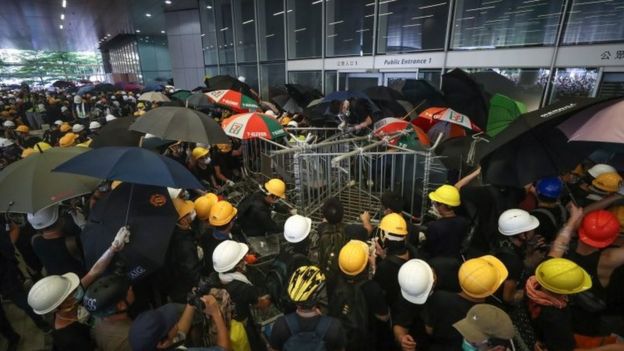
column 153, row 86
column 85, row 89
column 133, row 165
column 345, row 95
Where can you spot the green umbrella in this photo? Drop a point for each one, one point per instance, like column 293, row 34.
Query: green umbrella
column 181, row 95
column 503, row 111
column 28, row 185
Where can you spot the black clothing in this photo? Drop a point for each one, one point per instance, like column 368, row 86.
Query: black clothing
column 512, row 258
column 243, row 295
column 446, row 270
column 386, row 276
column 445, row 237
column 208, row 242
column 551, row 220
column 183, row 265
column 334, row 338
column 442, row 310
column 55, row 256
column 585, row 322
column 410, row 317
column 74, row 337
column 254, row 216
column 554, row 328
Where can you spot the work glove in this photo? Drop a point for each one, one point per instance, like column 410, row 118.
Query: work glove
column 121, row 239
column 293, row 211
column 78, row 218
column 229, row 183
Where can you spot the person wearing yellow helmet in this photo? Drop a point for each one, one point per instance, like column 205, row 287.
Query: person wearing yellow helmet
column 304, row 287
column 200, row 164
column 226, row 163
column 221, row 218
column 255, row 216
column 444, row 236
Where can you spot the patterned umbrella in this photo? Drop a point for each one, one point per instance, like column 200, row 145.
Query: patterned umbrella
column 391, row 125
column 446, row 114
column 253, row 125
column 233, row 100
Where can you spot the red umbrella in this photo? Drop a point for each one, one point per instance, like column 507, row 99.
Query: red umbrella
column 233, row 100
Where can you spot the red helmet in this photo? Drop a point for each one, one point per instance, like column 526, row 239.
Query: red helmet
column 599, row 229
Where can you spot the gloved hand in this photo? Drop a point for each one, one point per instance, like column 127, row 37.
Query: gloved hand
column 293, row 211
column 229, row 183
column 78, row 218
column 121, row 239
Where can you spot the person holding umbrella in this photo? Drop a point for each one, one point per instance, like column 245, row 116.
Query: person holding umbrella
column 62, row 295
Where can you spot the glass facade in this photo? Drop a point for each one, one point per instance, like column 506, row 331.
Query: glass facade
column 303, row 27
column 594, row 22
column 349, row 27
column 273, row 75
column 154, row 58
column 209, row 32
column 245, row 31
column 574, row 82
column 309, row 78
column 270, row 32
column 225, row 31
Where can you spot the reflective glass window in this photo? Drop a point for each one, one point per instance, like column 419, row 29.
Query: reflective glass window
column 273, row 77
column 225, row 32
column 504, row 23
column 209, row 32
column 212, row 71
column 245, row 28
column 330, row 81
column 574, row 82
column 229, row 70
column 594, row 21
column 304, row 28
column 309, row 78
column 271, row 29
column 348, row 27
column 410, row 25
column 250, row 72
column 612, row 84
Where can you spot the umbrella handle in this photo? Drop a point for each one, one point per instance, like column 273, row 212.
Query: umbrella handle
column 129, row 203
column 414, row 109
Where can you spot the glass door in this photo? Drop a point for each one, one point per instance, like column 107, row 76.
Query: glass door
column 359, row 81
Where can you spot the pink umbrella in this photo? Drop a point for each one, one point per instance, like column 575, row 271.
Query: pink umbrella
column 601, row 123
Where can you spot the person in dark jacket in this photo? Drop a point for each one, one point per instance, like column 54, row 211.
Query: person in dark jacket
column 255, row 212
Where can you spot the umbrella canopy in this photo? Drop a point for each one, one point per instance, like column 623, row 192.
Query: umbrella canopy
column 180, row 123
column 457, row 152
column 133, row 86
column 229, row 83
column 181, row 95
column 85, row 89
column 132, row 165
column 502, row 111
column 389, row 125
column 116, row 133
column 302, row 94
column 287, row 103
column 342, row 95
column 253, row 125
column 198, row 101
column 444, row 114
column 390, row 101
column 153, row 86
column 465, row 96
column 233, row 100
column 419, row 91
column 104, row 88
column 151, row 217
column 28, row 185
column 601, row 123
column 154, row 96
column 531, row 147
column 63, row 84
column 414, row 139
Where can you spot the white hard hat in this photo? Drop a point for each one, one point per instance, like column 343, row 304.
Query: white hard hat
column 94, row 125
column 110, row 118
column 149, row 136
column 293, row 124
column 77, row 128
column 174, row 192
column 269, row 113
column 64, row 108
column 8, row 124
column 124, row 97
column 58, row 122
column 599, row 169
column 50, row 292
column 297, row 228
column 416, row 281
column 77, row 99
column 44, row 217
column 242, row 79
column 516, row 221
column 227, row 255
column 4, row 142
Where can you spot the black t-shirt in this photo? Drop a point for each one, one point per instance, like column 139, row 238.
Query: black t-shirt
column 55, row 257
column 445, row 236
column 387, row 276
column 554, row 328
column 375, row 298
column 446, row 270
column 410, row 317
column 334, row 338
column 74, row 337
column 547, row 228
column 442, row 310
column 243, row 295
column 513, row 261
column 225, row 161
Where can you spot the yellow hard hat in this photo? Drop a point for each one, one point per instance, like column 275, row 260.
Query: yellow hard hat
column 27, row 152
column 285, row 120
column 482, row 276
column 22, row 129
column 618, row 211
column 562, row 276
column 140, row 105
column 222, row 213
column 224, row 147
column 86, row 143
column 353, row 257
column 183, row 207
column 199, row 152
column 65, row 128
column 68, row 139
column 305, row 283
column 609, row 182
column 276, row 187
column 203, row 204
column 115, row 184
column 394, row 223
column 42, row 146
column 446, row 194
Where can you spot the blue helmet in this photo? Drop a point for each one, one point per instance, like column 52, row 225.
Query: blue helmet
column 549, row 187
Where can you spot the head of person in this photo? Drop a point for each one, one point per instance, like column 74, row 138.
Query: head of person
column 68, row 140
column 549, row 189
column 393, row 229
column 229, row 256
column 416, row 279
column 275, row 189
column 65, row 127
column 155, row 329
column 186, row 212
column 94, row 126
column 203, row 204
column 45, row 219
column 444, row 200
column 561, row 276
column 333, row 211
column 224, row 148
column 618, row 212
column 391, row 201
column 296, row 231
column 8, row 124
column 56, row 293
column 305, row 286
column 23, row 130
column 599, row 229
column 201, row 156
column 109, row 295
column 353, row 259
column 483, row 325
column 222, row 215
column 518, row 225
column 482, row 276
column 598, row 169
column 606, row 183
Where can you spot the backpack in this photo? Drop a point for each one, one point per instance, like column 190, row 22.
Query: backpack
column 331, row 240
column 306, row 340
column 276, row 279
column 349, row 305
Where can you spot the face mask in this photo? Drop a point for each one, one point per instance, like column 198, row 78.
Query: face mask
column 82, row 315
column 193, row 215
column 207, row 161
column 79, row 293
column 434, row 212
column 466, row 346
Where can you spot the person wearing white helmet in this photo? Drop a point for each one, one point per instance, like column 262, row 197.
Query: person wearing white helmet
column 80, row 130
column 228, row 260
column 94, row 125
column 63, row 295
column 8, row 124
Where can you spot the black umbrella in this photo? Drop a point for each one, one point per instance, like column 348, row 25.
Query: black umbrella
column 287, row 103
column 198, row 101
column 63, row 84
column 465, row 96
column 387, row 99
column 532, row 147
column 420, row 92
column 302, row 94
column 116, row 133
column 151, row 217
column 179, row 123
column 104, row 88
column 494, row 83
column 231, row 83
